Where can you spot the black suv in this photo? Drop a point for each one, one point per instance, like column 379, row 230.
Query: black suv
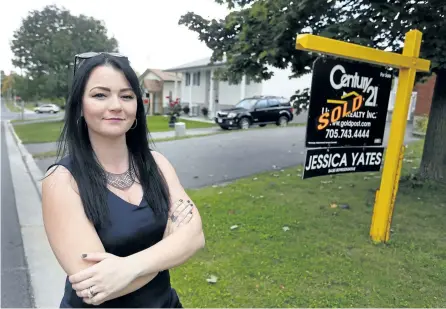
column 260, row 110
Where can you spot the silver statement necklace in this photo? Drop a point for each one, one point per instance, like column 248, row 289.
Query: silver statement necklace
column 122, row 181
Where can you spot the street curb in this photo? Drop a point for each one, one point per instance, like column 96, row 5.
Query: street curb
column 28, row 160
column 46, row 276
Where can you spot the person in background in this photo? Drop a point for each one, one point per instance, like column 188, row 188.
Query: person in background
column 115, row 213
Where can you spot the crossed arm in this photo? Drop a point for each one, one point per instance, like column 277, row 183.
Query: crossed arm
column 71, row 235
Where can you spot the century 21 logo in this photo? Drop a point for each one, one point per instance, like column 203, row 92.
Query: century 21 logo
column 341, row 110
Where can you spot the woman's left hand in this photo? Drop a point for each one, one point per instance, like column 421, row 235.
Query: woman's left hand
column 96, row 283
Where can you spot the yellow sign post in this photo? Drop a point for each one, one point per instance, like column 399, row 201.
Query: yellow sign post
column 408, row 64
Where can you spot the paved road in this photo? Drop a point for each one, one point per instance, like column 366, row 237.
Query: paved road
column 7, row 115
column 16, row 291
column 209, row 160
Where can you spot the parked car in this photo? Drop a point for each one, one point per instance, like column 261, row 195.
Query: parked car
column 47, row 108
column 257, row 110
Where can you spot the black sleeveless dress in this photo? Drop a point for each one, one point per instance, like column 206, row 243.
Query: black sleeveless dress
column 132, row 229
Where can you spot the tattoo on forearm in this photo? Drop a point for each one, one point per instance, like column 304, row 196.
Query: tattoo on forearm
column 189, row 203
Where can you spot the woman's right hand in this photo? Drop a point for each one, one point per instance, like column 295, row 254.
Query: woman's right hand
column 180, row 214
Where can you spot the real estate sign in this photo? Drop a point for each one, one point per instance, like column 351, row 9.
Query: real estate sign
column 408, row 63
column 348, row 104
column 348, row 109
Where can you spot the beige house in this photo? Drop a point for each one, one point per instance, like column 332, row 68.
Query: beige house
column 157, row 86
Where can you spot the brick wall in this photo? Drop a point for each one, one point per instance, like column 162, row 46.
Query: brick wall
column 424, row 97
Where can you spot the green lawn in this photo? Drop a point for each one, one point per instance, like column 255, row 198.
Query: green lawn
column 159, row 124
column 326, row 258
column 49, row 131
column 13, row 108
column 41, row 132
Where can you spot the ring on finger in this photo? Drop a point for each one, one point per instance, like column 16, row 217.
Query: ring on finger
column 90, row 292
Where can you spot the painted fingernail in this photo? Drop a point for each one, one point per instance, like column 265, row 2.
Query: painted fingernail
column 84, row 256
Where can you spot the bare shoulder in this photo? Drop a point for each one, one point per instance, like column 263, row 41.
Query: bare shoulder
column 69, row 231
column 168, row 172
column 58, row 177
column 164, row 165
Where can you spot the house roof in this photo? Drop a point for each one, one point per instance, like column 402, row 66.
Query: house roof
column 200, row 63
column 163, row 75
column 152, row 85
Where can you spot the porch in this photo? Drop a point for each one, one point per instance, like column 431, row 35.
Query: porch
column 157, row 86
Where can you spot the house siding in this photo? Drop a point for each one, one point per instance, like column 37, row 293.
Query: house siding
column 229, row 95
column 168, row 88
column 253, row 89
column 281, row 85
column 198, row 91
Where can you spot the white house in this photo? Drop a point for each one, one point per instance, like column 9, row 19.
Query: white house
column 199, row 88
column 157, row 87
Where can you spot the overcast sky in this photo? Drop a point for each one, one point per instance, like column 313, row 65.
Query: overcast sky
column 147, row 30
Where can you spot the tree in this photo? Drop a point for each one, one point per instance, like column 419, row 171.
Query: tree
column 258, row 33
column 261, row 33
column 45, row 44
column 7, row 84
column 385, row 24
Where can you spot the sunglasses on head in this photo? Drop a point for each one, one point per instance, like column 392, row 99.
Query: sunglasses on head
column 80, row 58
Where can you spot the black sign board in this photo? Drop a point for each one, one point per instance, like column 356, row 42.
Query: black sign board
column 329, row 161
column 348, row 104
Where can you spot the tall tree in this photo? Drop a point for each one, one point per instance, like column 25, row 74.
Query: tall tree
column 384, row 23
column 45, row 44
column 258, row 33
column 261, row 33
column 7, row 84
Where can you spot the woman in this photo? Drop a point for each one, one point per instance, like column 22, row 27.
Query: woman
column 115, row 213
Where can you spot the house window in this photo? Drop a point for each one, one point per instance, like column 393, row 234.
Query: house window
column 187, row 79
column 196, row 79
column 247, row 80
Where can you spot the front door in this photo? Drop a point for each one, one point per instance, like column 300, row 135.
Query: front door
column 272, row 113
column 260, row 111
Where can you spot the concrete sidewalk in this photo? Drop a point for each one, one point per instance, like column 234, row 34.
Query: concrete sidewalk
column 47, row 277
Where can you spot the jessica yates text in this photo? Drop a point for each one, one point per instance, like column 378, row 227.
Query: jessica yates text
column 337, row 160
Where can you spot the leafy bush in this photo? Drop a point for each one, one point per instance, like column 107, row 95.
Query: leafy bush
column 420, row 124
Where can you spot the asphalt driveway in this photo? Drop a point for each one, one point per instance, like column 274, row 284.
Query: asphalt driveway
column 209, row 160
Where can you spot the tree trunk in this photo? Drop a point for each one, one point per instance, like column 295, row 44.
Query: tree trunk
column 433, row 162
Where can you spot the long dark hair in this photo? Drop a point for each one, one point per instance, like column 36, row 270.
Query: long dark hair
column 75, row 142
